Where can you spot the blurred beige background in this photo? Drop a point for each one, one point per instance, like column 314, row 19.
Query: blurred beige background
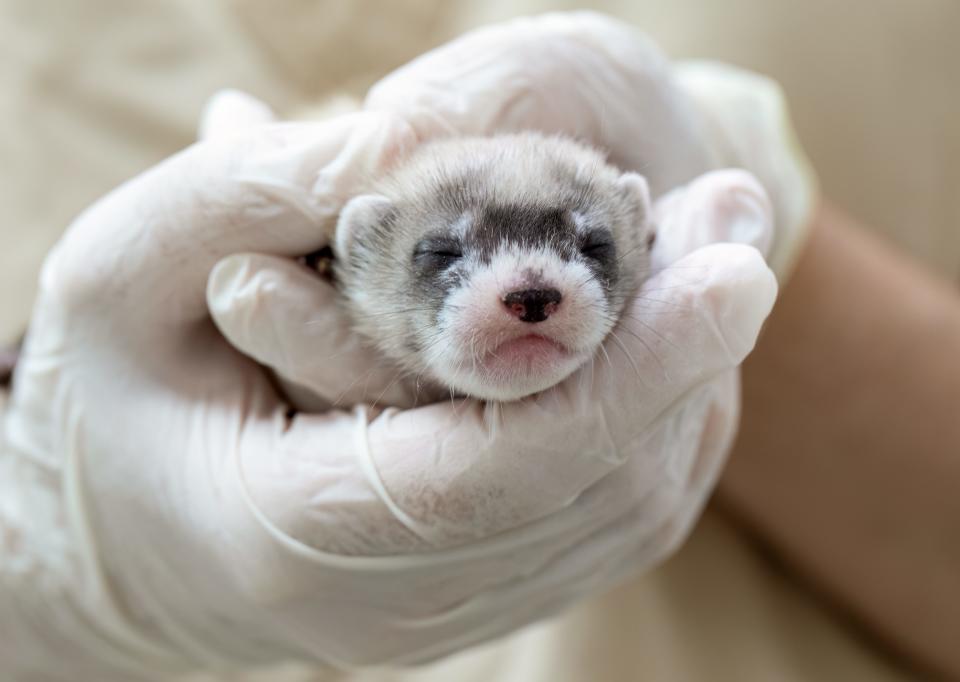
column 97, row 90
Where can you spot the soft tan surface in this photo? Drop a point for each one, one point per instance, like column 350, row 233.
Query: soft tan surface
column 95, row 91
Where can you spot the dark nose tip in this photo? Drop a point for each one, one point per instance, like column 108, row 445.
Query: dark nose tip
column 533, row 305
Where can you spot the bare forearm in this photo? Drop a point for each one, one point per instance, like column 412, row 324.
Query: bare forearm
column 848, row 460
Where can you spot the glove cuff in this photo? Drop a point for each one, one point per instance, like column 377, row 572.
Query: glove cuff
column 749, row 124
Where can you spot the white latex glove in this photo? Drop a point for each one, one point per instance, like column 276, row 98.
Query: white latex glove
column 161, row 510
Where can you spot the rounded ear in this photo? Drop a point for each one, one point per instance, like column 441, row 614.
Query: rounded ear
column 635, row 189
column 359, row 217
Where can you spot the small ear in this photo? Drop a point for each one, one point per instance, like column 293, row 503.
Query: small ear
column 636, row 190
column 361, row 214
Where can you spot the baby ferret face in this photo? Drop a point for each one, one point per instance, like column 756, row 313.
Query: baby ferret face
column 494, row 295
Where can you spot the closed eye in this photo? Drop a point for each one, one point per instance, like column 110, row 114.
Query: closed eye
column 598, row 244
column 597, row 248
column 437, row 253
column 600, row 250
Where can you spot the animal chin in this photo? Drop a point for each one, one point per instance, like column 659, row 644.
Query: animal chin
column 529, row 353
column 518, row 367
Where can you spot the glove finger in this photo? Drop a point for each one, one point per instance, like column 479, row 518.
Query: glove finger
column 720, row 206
column 151, row 244
column 287, row 318
column 229, row 112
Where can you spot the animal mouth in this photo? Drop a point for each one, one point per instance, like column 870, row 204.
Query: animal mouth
column 526, row 354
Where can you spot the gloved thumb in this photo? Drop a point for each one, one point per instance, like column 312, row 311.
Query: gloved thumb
column 720, row 206
column 284, row 316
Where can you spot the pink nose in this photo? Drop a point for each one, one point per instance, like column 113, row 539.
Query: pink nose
column 533, row 305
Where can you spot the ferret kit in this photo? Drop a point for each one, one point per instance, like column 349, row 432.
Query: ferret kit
column 493, row 267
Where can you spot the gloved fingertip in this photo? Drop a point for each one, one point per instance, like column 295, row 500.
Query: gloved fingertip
column 227, row 279
column 699, row 315
column 724, row 206
column 230, row 111
column 741, row 209
column 742, row 296
column 265, row 288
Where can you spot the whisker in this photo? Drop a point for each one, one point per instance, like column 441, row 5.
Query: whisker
column 652, row 330
column 359, row 377
column 607, row 356
column 647, row 299
column 396, row 378
column 643, row 342
column 623, row 349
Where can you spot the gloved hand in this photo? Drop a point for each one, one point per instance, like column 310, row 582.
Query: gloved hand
column 162, row 509
column 597, row 78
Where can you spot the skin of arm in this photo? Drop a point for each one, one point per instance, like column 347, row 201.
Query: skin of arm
column 848, row 458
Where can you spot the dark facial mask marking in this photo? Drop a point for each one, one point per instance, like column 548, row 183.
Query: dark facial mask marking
column 525, row 226
column 599, row 251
